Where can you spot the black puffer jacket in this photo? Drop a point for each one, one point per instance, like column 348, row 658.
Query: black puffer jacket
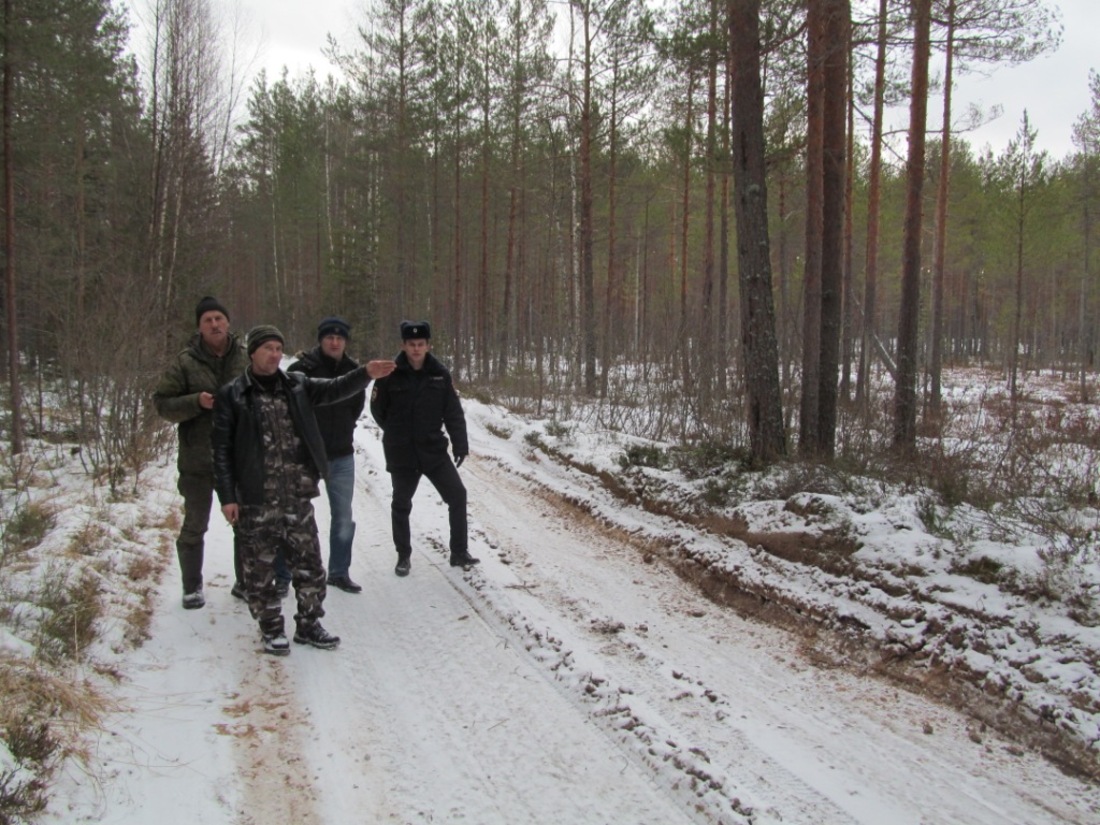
column 336, row 421
column 412, row 407
column 238, row 441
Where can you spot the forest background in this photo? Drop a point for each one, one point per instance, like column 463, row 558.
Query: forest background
column 574, row 214
column 566, row 209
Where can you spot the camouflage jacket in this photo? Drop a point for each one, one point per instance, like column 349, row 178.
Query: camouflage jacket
column 242, row 437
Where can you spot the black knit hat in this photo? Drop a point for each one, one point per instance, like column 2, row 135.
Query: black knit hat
column 415, row 329
column 209, row 304
column 333, row 325
column 260, row 333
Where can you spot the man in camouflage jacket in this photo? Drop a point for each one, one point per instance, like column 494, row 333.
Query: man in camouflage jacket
column 185, row 396
column 269, row 458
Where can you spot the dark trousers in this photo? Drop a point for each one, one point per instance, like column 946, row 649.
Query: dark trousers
column 444, row 477
column 198, row 493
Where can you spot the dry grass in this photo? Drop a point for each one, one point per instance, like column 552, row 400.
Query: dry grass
column 41, row 716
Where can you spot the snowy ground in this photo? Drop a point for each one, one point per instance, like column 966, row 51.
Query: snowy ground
column 571, row 677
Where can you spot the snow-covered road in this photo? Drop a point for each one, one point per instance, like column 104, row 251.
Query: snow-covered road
column 569, row 678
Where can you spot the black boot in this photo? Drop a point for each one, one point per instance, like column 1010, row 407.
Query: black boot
column 462, row 558
column 314, row 634
column 404, row 564
column 344, row 583
column 276, row 644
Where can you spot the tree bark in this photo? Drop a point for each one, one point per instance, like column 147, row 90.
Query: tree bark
column 767, row 436
column 834, row 117
column 15, row 385
column 935, row 367
column 809, row 442
column 905, row 399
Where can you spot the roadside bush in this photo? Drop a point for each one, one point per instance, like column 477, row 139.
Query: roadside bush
column 69, row 612
column 642, row 455
column 25, row 529
column 709, row 458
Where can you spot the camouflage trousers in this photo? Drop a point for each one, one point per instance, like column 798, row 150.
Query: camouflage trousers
column 263, row 531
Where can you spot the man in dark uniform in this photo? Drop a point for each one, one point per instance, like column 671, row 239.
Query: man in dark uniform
column 329, row 359
column 268, row 460
column 413, row 406
column 185, row 396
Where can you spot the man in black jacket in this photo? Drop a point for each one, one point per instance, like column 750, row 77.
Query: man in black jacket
column 413, row 406
column 329, row 359
column 268, row 460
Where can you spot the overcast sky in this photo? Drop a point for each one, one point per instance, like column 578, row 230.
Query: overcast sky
column 1054, row 88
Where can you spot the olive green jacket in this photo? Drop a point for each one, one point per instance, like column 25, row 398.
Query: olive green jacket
column 194, row 371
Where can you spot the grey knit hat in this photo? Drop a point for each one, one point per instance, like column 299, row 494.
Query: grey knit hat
column 260, row 333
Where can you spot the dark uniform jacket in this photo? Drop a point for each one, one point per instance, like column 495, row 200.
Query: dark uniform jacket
column 412, row 407
column 238, row 437
column 336, row 421
column 176, row 398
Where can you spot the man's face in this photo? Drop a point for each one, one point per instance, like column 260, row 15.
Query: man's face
column 214, row 330
column 267, row 357
column 416, row 350
column 333, row 346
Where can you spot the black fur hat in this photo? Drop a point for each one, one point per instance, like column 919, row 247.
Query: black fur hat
column 415, row 329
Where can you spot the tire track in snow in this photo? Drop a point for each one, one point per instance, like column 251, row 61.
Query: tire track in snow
column 793, row 737
column 439, row 717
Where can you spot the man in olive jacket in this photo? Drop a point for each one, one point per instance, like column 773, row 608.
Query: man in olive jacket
column 269, row 458
column 185, row 396
column 413, row 406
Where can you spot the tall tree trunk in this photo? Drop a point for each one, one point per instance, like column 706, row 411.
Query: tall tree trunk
column 588, row 287
column 809, row 442
column 847, row 354
column 610, row 316
column 1084, row 349
column 724, row 227
column 939, row 265
column 684, row 337
column 482, row 347
column 905, row 399
column 458, row 285
column 708, row 326
column 14, row 383
column 874, row 188
column 510, row 266
column 834, row 116
column 767, row 436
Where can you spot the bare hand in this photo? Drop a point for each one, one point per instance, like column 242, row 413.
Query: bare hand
column 232, row 513
column 380, row 367
column 206, row 400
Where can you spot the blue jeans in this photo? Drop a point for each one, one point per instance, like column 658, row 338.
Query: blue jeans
column 340, row 486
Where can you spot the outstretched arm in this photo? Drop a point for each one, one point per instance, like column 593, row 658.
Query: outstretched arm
column 380, row 367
